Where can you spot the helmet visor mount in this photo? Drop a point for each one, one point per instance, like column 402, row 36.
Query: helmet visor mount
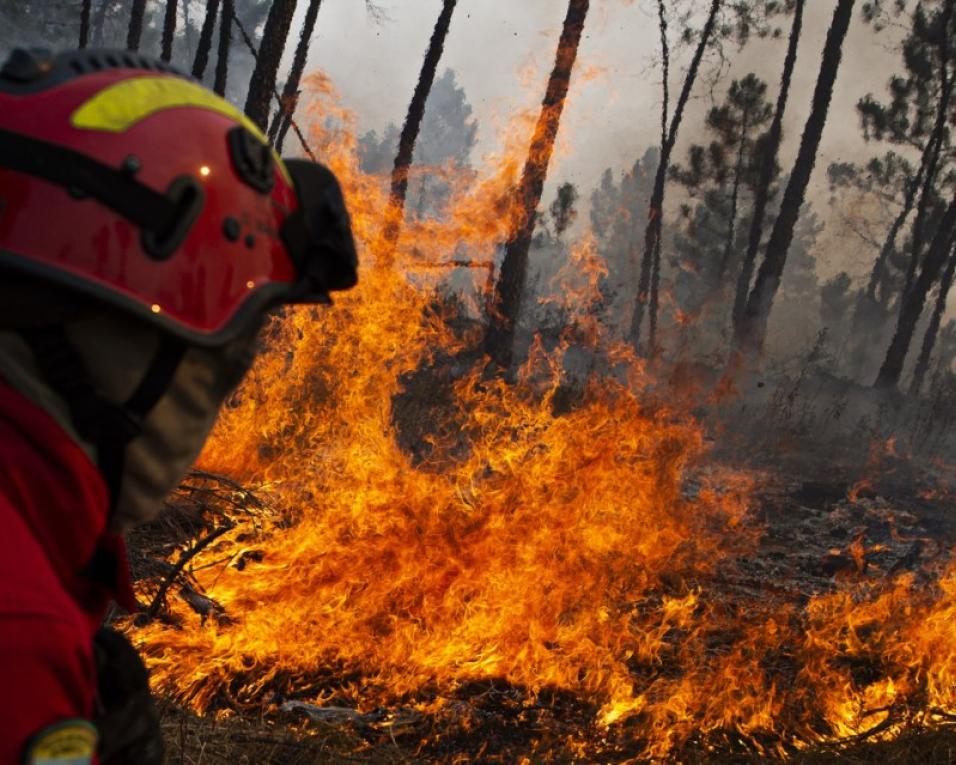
column 318, row 234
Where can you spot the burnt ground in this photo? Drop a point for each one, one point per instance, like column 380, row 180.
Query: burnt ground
column 816, row 531
column 192, row 741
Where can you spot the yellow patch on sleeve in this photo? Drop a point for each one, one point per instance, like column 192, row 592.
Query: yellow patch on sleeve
column 70, row 742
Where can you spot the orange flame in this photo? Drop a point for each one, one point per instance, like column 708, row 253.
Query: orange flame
column 578, row 551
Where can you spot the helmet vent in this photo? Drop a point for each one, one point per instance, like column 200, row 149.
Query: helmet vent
column 32, row 70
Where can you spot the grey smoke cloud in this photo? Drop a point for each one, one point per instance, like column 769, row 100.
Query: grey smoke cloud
column 502, row 51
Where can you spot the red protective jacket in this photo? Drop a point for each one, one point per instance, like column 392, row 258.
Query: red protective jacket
column 59, row 569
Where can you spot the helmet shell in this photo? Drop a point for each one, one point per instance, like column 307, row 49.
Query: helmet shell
column 129, row 112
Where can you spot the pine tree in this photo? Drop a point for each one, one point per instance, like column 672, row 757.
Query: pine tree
column 929, row 337
column 888, row 179
column 919, row 114
column 752, row 329
column 768, row 167
column 915, row 298
column 509, row 287
column 446, row 139
column 413, row 121
column 652, row 231
column 721, row 170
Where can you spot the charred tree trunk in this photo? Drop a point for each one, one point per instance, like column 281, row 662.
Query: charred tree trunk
column 169, row 30
column 935, row 147
column 225, row 40
column 665, row 119
column 136, row 17
column 767, row 164
column 655, row 297
column 263, row 81
column 290, row 93
column 85, row 11
column 665, row 69
column 413, row 122
column 752, row 329
column 509, row 287
column 652, row 231
column 205, row 39
column 929, row 339
column 915, row 299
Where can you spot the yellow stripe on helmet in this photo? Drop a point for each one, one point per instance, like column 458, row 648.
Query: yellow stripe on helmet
column 118, row 107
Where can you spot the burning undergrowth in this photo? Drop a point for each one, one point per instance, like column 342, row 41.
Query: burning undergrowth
column 569, row 568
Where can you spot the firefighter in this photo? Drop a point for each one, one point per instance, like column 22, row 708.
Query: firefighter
column 146, row 230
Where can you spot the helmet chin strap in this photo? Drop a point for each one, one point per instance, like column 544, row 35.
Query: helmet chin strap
column 108, row 426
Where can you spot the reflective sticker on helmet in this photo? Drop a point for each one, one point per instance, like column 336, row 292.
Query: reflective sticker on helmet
column 69, row 742
column 120, row 106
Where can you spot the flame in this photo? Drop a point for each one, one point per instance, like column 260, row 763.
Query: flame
column 578, row 548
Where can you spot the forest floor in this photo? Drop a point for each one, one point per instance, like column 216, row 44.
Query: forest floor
column 900, row 518
column 192, row 740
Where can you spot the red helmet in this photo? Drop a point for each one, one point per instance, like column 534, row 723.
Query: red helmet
column 124, row 179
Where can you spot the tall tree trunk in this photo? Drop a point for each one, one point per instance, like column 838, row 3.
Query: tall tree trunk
column 136, row 17
column 914, row 300
column 929, row 338
column 752, row 329
column 85, row 12
column 290, row 93
column 665, row 68
column 509, row 287
column 655, row 300
column 263, row 81
column 169, row 30
column 935, row 146
column 652, row 231
column 99, row 21
column 205, row 39
column 413, row 123
column 225, row 40
column 767, row 164
column 665, row 108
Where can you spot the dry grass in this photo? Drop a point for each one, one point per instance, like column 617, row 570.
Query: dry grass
column 192, row 740
column 926, row 747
